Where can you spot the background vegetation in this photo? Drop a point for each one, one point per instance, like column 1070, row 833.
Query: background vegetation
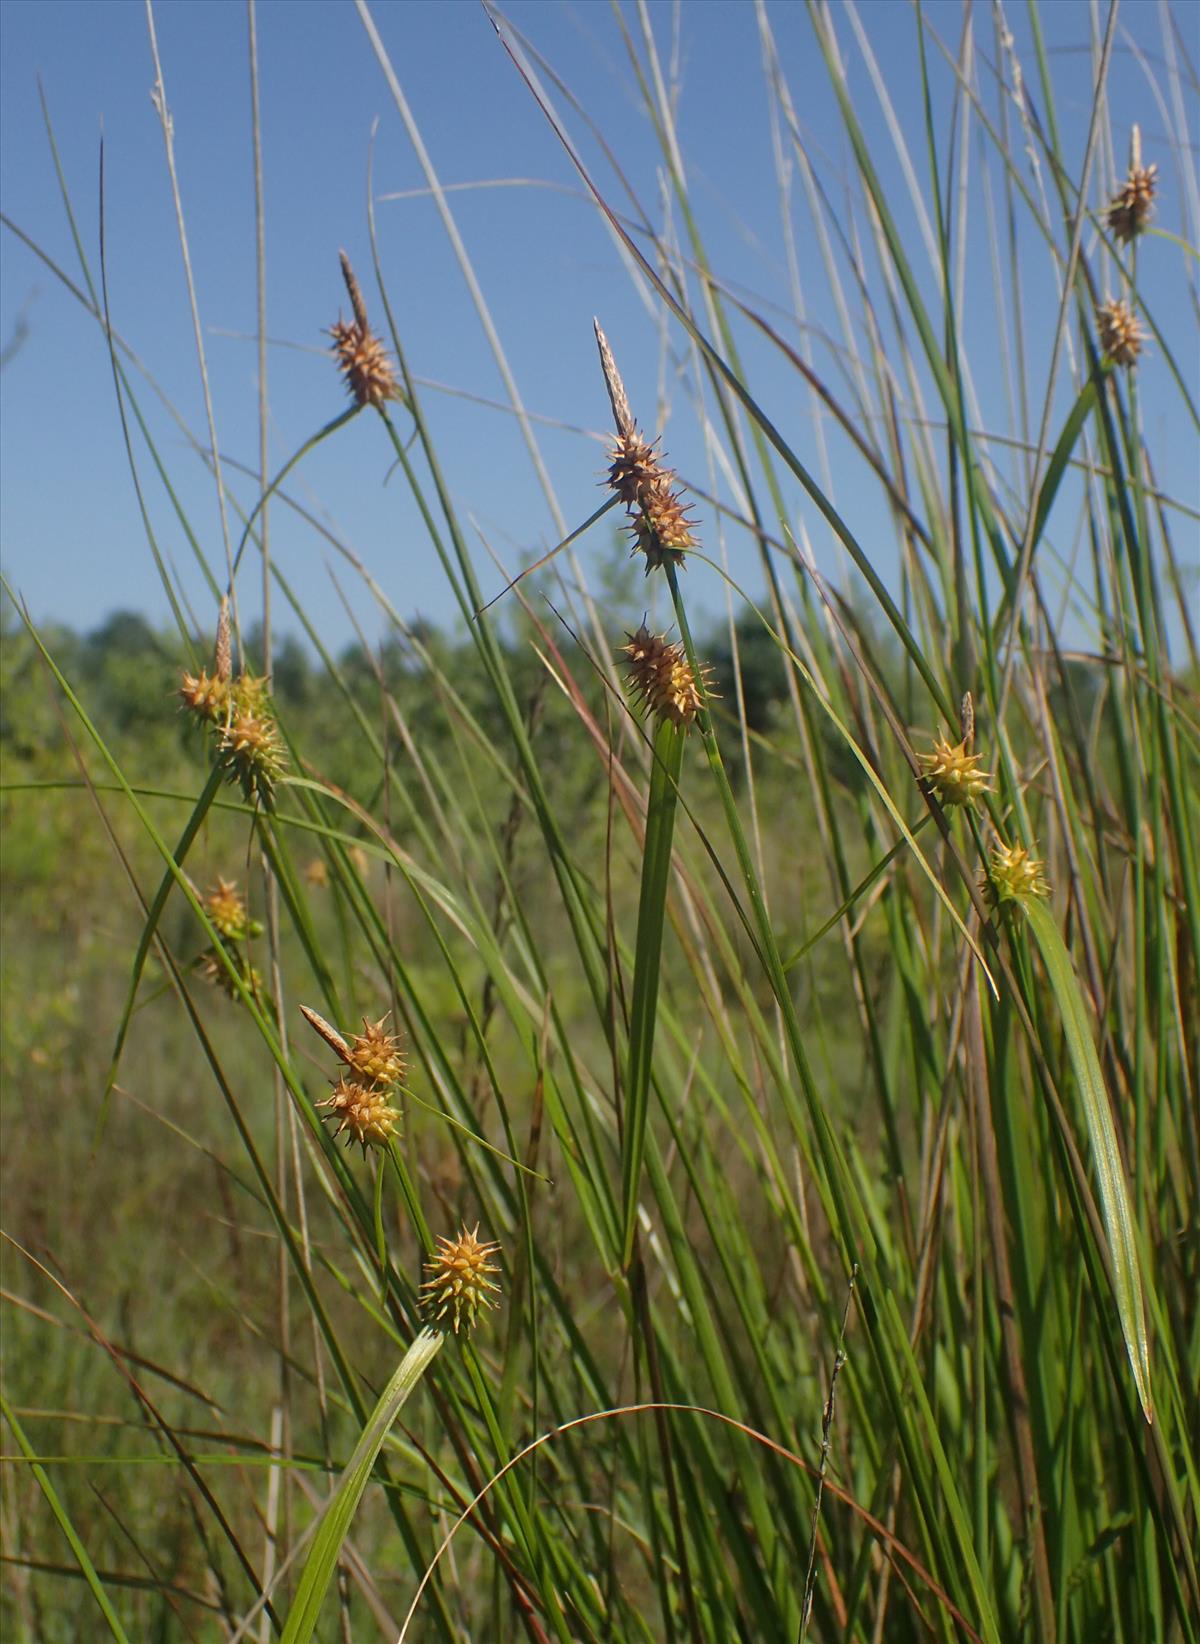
column 792, row 1138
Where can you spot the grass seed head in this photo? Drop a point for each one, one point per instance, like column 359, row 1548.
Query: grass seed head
column 363, row 1114
column 953, row 773
column 1121, row 336
column 459, row 1279
column 660, row 675
column 1013, row 877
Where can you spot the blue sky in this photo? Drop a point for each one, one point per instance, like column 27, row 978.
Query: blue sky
column 72, row 538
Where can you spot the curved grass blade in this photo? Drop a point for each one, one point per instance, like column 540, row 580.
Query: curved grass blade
column 1114, row 1196
column 64, row 1522
column 342, row 1505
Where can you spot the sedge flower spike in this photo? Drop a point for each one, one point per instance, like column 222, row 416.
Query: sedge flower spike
column 363, row 1114
column 953, row 773
column 361, row 1100
column 1013, row 876
column 1121, row 337
column 1132, row 206
column 658, row 520
column 364, row 362
column 459, row 1281
column 661, row 676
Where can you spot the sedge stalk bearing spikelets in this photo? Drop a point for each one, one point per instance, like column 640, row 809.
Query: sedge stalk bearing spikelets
column 361, row 1100
column 1132, row 206
column 1121, row 336
column 1013, row 876
column 459, row 1281
column 659, row 522
column 953, row 773
column 661, row 676
column 364, row 362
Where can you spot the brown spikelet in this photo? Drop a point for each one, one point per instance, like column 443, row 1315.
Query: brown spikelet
column 658, row 521
column 634, row 469
column 362, row 359
column 459, row 1279
column 662, row 528
column 1121, row 336
column 618, row 399
column 223, row 664
column 661, row 677
column 1132, row 206
column 355, row 293
column 330, row 1034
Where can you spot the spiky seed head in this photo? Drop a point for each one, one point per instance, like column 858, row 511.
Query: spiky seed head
column 634, row 469
column 662, row 528
column 954, row 773
column 375, row 1056
column 458, row 1279
column 253, row 754
column 206, row 697
column 661, row 677
column 1132, row 206
column 227, row 912
column 362, row 1113
column 1013, row 877
column 365, row 364
column 1121, row 337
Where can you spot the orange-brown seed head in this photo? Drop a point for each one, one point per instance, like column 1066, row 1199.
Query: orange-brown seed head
column 458, row 1279
column 661, row 676
column 363, row 1114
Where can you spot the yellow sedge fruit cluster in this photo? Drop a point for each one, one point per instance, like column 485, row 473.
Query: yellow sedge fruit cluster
column 1121, row 337
column 230, row 918
column 459, row 1281
column 661, row 526
column 362, row 359
column 361, row 1099
column 953, row 773
column 1012, row 877
column 661, row 676
column 1132, row 206
column 249, row 746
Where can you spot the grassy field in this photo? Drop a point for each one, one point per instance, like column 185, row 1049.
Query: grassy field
column 806, row 1010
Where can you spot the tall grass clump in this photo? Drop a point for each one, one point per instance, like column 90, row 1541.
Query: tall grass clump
column 772, row 1196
